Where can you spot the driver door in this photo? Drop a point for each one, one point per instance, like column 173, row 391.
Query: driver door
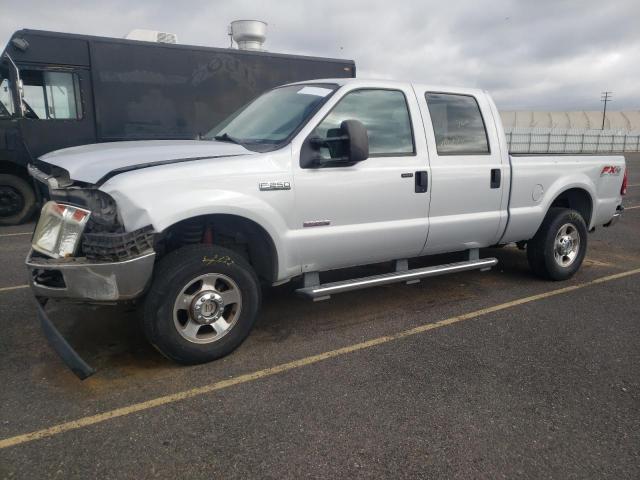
column 60, row 109
column 371, row 211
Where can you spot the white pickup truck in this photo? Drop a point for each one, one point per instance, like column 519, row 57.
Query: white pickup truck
column 307, row 178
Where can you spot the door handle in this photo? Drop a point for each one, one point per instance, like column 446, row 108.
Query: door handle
column 495, row 177
column 422, row 181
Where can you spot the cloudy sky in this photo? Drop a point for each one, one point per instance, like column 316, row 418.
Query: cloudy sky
column 531, row 55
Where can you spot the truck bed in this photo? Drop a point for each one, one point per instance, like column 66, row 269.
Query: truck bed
column 537, row 180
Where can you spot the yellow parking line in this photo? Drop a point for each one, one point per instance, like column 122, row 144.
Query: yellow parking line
column 597, row 263
column 632, row 208
column 15, row 234
column 267, row 372
column 16, row 287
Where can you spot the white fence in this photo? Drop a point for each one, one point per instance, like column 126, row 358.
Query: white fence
column 548, row 140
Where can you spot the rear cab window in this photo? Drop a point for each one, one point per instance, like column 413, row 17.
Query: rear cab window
column 458, row 126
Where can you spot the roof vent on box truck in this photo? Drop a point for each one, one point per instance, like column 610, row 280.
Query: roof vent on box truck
column 151, row 36
column 248, row 34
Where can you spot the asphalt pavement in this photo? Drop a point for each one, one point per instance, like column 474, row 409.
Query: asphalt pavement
column 475, row 375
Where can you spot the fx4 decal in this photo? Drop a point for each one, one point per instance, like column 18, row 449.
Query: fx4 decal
column 610, row 170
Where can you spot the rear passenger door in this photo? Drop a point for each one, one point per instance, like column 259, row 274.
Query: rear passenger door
column 468, row 200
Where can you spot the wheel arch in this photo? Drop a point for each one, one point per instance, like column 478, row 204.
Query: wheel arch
column 233, row 231
column 577, row 198
column 8, row 167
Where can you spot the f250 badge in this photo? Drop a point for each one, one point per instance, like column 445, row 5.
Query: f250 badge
column 265, row 186
column 610, row 170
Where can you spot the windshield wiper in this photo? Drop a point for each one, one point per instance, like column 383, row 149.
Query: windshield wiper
column 225, row 137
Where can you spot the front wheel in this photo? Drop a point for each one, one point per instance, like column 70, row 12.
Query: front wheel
column 559, row 246
column 17, row 200
column 202, row 303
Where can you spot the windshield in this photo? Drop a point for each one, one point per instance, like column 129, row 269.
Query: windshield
column 272, row 118
column 6, row 97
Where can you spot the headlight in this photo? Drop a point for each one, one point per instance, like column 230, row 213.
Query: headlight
column 100, row 204
column 59, row 229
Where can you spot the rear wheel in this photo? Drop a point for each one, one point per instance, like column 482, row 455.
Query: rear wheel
column 17, row 200
column 202, row 304
column 559, row 246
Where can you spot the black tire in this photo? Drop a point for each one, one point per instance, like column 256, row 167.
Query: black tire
column 17, row 200
column 541, row 249
column 171, row 275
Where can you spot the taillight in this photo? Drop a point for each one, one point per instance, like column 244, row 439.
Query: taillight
column 623, row 189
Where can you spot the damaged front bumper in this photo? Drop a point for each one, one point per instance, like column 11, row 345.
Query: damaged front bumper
column 66, row 352
column 80, row 280
column 90, row 281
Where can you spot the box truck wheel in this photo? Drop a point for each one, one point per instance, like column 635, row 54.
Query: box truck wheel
column 202, row 303
column 17, row 200
column 559, row 246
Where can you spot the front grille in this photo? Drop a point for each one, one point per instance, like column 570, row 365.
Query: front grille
column 117, row 247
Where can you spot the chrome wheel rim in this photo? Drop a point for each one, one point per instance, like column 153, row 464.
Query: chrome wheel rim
column 207, row 308
column 566, row 245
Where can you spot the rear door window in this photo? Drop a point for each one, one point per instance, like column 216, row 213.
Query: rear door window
column 458, row 125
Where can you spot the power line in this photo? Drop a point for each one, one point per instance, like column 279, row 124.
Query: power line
column 605, row 98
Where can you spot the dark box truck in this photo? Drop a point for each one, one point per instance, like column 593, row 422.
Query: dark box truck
column 80, row 89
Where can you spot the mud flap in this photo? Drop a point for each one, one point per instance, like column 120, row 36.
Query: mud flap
column 61, row 346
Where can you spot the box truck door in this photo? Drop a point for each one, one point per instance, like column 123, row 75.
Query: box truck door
column 58, row 109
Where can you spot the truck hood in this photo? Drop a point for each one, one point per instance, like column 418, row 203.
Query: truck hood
column 96, row 163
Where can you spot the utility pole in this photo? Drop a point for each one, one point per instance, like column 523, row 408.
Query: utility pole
column 606, row 98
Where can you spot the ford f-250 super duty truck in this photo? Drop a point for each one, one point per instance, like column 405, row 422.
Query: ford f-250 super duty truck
column 307, row 178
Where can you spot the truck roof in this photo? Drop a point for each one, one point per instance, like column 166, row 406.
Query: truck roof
column 383, row 83
column 176, row 46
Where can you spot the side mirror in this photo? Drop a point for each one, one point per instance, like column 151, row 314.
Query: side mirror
column 19, row 84
column 347, row 145
column 21, row 90
column 357, row 140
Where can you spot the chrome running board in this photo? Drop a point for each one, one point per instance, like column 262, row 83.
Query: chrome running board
column 324, row 291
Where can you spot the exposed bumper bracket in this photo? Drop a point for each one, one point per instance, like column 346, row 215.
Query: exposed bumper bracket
column 616, row 216
column 68, row 355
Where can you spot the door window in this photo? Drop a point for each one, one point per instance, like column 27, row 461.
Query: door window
column 457, row 124
column 51, row 95
column 385, row 115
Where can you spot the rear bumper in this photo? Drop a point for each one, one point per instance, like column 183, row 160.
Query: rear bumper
column 93, row 282
column 616, row 216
